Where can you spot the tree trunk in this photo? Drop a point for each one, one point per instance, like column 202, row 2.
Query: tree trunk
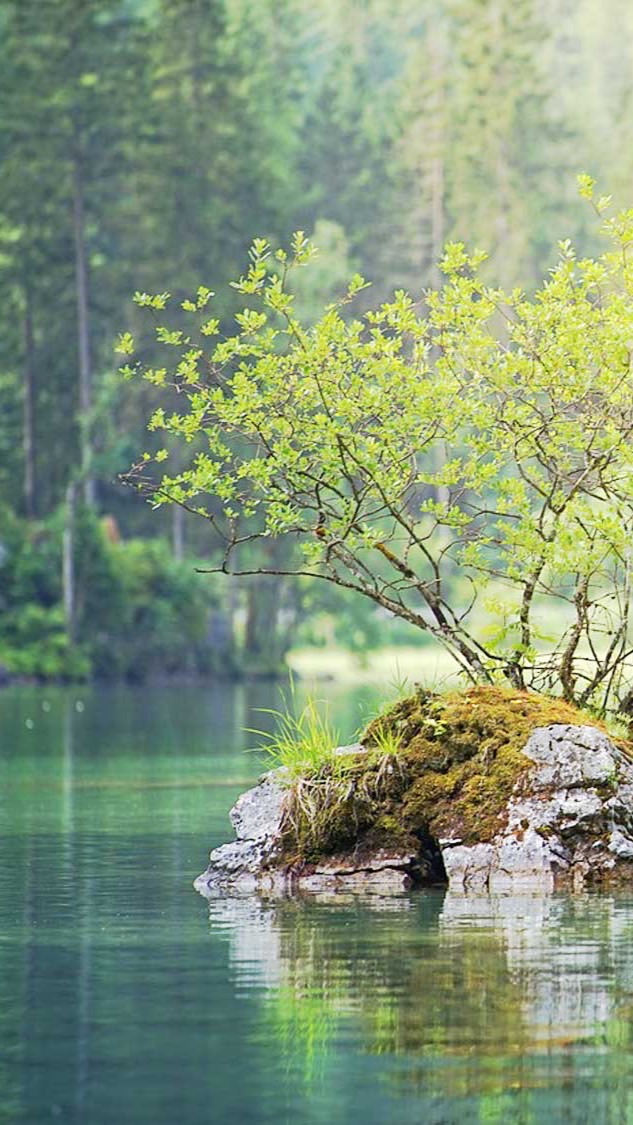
column 437, row 213
column 266, row 641
column 68, row 563
column 28, row 408
column 261, row 642
column 83, row 330
column 438, row 144
column 178, row 532
column 437, row 190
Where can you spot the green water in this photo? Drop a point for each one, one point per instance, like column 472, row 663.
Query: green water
column 126, row 997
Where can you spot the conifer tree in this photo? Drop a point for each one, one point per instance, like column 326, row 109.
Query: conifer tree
column 71, row 91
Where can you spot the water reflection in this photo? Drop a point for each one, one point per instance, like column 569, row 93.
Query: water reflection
column 118, row 1005
column 470, row 998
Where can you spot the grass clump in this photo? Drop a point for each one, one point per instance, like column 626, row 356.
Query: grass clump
column 339, row 805
column 301, row 743
column 332, row 793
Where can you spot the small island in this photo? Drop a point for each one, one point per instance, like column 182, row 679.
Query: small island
column 487, row 789
column 460, row 460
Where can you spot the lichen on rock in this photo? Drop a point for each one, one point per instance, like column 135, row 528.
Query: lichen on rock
column 481, row 789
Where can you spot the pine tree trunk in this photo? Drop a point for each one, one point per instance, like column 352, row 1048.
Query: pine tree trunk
column 265, row 640
column 68, row 563
column 28, row 408
column 261, row 642
column 83, row 330
column 437, row 215
column 178, row 532
column 438, row 149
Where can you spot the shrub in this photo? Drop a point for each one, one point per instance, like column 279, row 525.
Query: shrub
column 161, row 627
column 464, row 460
column 138, row 613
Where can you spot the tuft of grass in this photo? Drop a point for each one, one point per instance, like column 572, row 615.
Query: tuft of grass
column 302, row 742
column 386, row 742
column 332, row 797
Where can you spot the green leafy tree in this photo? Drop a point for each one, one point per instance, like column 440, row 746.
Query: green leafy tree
column 328, row 435
column 349, row 131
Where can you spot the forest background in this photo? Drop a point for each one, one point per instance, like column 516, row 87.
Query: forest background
column 143, row 143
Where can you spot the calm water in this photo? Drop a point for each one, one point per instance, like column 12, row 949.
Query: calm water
column 125, row 997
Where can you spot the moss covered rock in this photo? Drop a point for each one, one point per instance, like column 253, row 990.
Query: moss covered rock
column 463, row 753
column 479, row 788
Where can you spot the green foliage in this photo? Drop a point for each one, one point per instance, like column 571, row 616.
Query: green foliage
column 154, row 137
column 162, row 624
column 33, row 639
column 138, row 612
column 72, row 84
column 483, row 436
column 34, row 643
column 31, row 563
column 331, row 616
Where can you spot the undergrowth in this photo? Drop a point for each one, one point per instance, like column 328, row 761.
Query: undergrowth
column 334, row 807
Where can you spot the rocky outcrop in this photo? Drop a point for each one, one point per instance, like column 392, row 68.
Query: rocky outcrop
column 251, row 861
column 572, row 823
column 569, row 822
column 256, row 818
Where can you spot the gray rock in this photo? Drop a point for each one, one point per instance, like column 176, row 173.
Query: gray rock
column 522, row 862
column 243, row 864
column 571, row 823
column 383, row 869
column 351, row 748
column 256, row 818
column 256, row 815
column 620, row 844
column 382, row 859
column 568, row 756
column 384, row 881
column 468, row 868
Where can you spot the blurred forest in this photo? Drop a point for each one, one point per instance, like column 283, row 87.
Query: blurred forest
column 143, row 143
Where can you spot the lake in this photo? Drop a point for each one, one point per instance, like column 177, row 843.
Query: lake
column 127, row 998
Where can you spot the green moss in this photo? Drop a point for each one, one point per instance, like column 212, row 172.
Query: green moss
column 459, row 759
column 463, row 753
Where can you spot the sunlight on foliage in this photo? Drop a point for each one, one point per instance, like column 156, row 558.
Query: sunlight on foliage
column 471, row 440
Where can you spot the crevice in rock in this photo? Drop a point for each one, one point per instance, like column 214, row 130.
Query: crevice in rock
column 430, row 870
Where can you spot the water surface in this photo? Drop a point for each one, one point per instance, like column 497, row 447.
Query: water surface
column 125, row 997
